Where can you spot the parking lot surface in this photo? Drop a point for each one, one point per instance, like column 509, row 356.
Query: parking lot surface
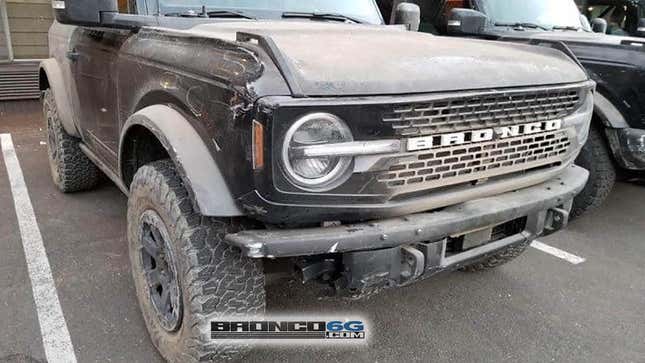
column 538, row 308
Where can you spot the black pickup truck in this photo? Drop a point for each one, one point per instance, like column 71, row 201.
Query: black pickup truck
column 616, row 63
column 262, row 135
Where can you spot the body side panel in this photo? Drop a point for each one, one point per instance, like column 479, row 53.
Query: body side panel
column 60, row 78
column 51, row 71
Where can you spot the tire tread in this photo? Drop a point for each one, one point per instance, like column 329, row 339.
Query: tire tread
column 596, row 158
column 220, row 281
column 76, row 172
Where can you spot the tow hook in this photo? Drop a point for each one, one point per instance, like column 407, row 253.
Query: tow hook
column 413, row 264
column 556, row 219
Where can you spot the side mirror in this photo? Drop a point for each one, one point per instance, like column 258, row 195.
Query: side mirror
column 466, row 21
column 599, row 25
column 640, row 31
column 408, row 14
column 83, row 12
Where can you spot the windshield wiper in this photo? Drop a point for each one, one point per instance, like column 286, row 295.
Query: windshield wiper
column 227, row 14
column 523, row 25
column 566, row 27
column 209, row 14
column 321, row 16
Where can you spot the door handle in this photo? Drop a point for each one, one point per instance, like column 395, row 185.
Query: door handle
column 73, row 55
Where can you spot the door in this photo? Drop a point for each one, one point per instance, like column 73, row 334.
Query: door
column 93, row 54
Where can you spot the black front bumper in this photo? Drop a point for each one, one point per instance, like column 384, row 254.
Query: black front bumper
column 545, row 207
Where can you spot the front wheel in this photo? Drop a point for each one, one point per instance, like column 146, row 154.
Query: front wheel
column 184, row 273
column 596, row 158
column 71, row 170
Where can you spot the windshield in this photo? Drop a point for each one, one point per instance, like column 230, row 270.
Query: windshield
column 544, row 13
column 364, row 10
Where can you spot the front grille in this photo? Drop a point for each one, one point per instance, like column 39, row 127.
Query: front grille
column 468, row 163
column 482, row 110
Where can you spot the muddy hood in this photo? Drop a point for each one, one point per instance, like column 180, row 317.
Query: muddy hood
column 328, row 59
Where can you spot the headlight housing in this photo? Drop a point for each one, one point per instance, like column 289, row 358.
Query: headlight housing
column 316, row 173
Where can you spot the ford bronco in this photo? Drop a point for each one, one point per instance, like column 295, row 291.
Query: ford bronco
column 615, row 63
column 282, row 132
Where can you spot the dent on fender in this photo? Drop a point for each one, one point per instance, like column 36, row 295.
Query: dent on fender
column 214, row 82
column 224, row 64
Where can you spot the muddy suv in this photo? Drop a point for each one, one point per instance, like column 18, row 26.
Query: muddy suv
column 253, row 136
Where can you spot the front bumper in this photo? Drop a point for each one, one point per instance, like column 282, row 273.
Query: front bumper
column 628, row 146
column 545, row 206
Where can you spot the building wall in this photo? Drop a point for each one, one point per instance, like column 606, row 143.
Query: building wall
column 29, row 21
column 4, row 52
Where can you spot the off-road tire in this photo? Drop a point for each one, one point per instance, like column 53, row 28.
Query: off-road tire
column 503, row 257
column 596, row 158
column 71, row 169
column 215, row 280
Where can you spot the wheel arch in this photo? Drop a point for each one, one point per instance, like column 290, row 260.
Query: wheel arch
column 607, row 113
column 50, row 76
column 608, row 118
column 169, row 134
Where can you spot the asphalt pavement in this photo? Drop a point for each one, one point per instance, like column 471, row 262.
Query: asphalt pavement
column 538, row 308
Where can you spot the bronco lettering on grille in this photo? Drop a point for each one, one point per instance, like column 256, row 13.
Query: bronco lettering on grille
column 475, row 136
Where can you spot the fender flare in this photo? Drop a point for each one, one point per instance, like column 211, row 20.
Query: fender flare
column 56, row 83
column 200, row 173
column 609, row 115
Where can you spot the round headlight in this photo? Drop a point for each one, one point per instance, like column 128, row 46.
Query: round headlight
column 319, row 172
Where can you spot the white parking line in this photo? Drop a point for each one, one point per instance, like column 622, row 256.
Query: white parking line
column 576, row 260
column 56, row 340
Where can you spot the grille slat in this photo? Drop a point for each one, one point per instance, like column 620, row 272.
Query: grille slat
column 478, row 111
column 467, row 163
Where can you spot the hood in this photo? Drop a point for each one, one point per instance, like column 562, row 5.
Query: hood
column 330, row 59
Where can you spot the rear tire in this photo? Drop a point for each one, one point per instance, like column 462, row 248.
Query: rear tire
column 505, row 256
column 596, row 158
column 206, row 279
column 71, row 169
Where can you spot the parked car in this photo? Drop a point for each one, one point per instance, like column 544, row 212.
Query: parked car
column 617, row 64
column 245, row 135
column 622, row 17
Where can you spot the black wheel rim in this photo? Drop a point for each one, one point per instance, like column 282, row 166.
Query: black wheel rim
column 160, row 271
